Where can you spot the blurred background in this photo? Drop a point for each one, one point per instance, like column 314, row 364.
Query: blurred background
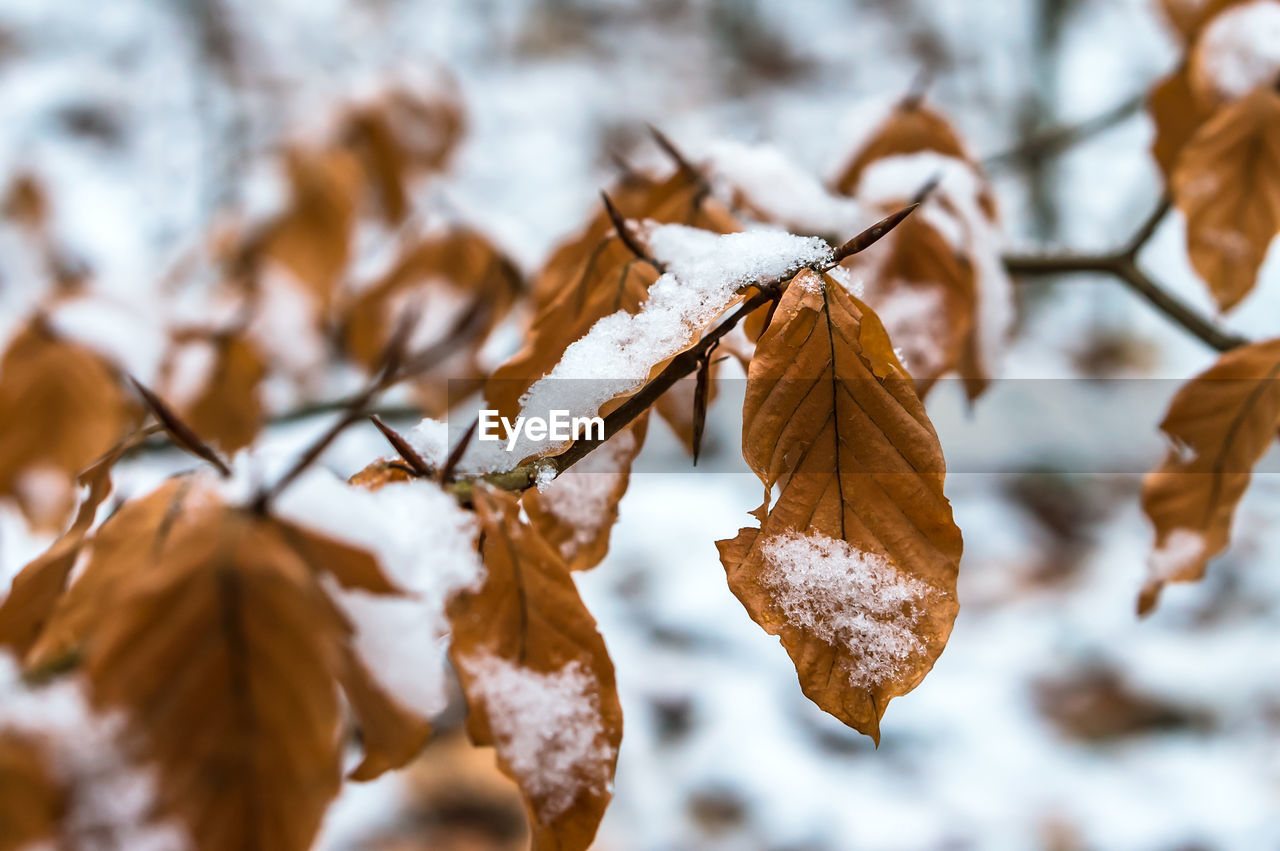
column 1055, row 719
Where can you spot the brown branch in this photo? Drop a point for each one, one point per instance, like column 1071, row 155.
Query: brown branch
column 1057, row 139
column 628, row 238
column 1123, row 267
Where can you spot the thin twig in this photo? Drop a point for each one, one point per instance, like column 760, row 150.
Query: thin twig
column 1124, row 268
column 625, row 234
column 1057, row 139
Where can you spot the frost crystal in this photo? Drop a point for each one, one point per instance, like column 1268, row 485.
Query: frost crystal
column 1240, row 48
column 856, row 601
column 1181, row 549
column 547, row 727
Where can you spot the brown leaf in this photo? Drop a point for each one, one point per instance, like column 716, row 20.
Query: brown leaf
column 227, row 409
column 925, row 293
column 123, row 545
column 1227, row 183
column 1188, row 17
column 367, row 133
column 1220, row 424
column 32, row 800
column 854, row 565
column 1177, row 115
column 313, row 237
column 391, row 735
column 38, row 586
column 222, row 652
column 910, row 128
column 539, row 683
column 445, row 274
column 61, row 406
column 380, row 473
column 578, row 510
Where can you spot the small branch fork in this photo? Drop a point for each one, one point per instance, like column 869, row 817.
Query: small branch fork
column 1123, row 265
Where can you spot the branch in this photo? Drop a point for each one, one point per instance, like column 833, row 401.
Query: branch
column 1058, row 139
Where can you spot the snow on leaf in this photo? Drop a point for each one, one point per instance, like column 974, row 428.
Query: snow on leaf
column 67, row 780
column 538, row 680
column 1237, row 51
column 851, row 599
column 576, row 511
column 548, row 728
column 833, row 423
column 705, row 274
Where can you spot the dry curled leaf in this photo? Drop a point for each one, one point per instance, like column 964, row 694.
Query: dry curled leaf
column 538, row 680
column 577, row 511
column 854, row 564
column 32, row 800
column 61, row 406
column 1227, row 183
column 1220, row 424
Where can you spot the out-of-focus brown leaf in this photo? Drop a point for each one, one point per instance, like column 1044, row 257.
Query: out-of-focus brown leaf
column 368, row 134
column 1188, row 17
column 227, row 409
column 61, row 406
column 854, row 565
column 37, row 587
column 1220, row 424
column 122, row 545
column 380, row 473
column 427, row 123
column 577, row 511
column 925, row 293
column 910, row 128
column 26, row 203
column 462, row 260
column 1098, row 705
column 1227, row 183
column 312, row 239
column 539, row 683
column 1177, row 115
column 224, row 652
column 32, row 800
column 390, row 734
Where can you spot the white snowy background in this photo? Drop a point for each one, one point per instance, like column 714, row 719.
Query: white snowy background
column 1055, row 718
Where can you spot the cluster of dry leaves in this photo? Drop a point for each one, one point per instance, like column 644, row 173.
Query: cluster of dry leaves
column 1217, row 142
column 213, row 625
